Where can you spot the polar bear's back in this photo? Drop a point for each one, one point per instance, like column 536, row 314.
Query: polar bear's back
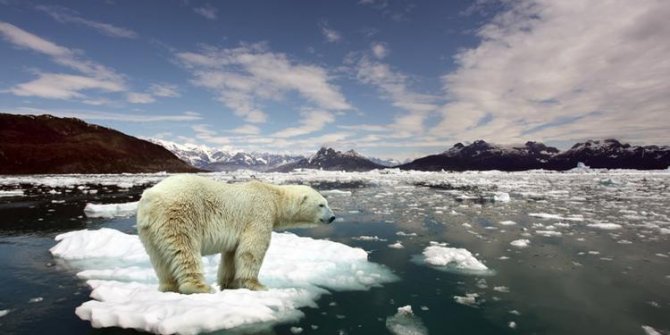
column 205, row 200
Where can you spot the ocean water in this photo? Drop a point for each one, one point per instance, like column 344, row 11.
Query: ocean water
column 596, row 259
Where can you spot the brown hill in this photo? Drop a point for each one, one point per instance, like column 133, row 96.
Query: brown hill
column 32, row 144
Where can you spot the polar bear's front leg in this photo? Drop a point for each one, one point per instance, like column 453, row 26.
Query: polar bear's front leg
column 248, row 260
column 226, row 273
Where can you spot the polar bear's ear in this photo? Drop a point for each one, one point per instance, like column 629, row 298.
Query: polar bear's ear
column 304, row 198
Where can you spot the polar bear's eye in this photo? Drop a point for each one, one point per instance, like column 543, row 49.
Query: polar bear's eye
column 322, row 205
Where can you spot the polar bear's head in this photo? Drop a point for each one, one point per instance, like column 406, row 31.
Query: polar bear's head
column 307, row 207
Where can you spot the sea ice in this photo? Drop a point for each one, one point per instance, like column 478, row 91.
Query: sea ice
column 405, row 322
column 369, row 238
column 4, row 312
column 110, row 210
column 605, row 226
column 11, row 193
column 507, row 223
column 557, row 217
column 469, row 299
column 396, row 245
column 335, row 192
column 650, row 330
column 453, row 259
column 501, row 197
column 297, row 271
column 522, row 243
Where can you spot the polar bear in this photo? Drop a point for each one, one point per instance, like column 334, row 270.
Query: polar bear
column 186, row 216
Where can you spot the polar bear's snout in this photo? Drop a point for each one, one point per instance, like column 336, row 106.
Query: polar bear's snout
column 327, row 215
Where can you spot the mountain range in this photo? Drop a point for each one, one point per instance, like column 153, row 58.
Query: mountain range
column 480, row 155
column 214, row 159
column 32, row 144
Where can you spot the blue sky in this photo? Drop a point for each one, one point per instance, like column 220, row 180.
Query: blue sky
column 388, row 78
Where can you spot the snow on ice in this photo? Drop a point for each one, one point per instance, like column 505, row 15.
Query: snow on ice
column 297, row 271
column 110, row 210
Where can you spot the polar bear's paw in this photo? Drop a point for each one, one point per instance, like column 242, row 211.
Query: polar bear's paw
column 190, row 288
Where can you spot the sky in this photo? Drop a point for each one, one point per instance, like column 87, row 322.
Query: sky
column 391, row 79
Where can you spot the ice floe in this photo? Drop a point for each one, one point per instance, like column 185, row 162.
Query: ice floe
column 11, row 193
column 575, row 217
column 458, row 260
column 648, row 330
column 297, row 271
column 605, row 226
column 405, row 322
column 110, row 210
column 469, row 299
column 396, row 245
column 522, row 243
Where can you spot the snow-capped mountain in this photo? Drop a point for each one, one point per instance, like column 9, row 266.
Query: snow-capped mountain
column 214, row 159
column 481, row 155
column 611, row 153
column 330, row 159
column 390, row 162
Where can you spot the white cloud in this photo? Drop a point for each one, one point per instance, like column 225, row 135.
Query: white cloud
column 63, row 86
column 564, row 70
column 245, row 77
column 310, row 121
column 164, row 90
column 24, row 39
column 379, row 50
column 65, row 15
column 97, row 115
column 97, row 77
column 208, row 11
column 139, row 98
column 331, row 35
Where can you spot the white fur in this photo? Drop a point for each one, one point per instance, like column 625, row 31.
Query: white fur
column 185, row 217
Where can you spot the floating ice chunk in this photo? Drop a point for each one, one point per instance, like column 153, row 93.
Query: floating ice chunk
column 335, row 192
column 36, row 299
column 501, row 197
column 452, row 259
column 522, row 243
column 470, row 299
column 512, row 325
column 396, row 245
column 557, row 217
column 405, row 322
column 4, row 312
column 503, row 289
column 548, row 233
column 11, row 193
column 110, row 210
column 605, row 226
column 650, row 330
column 368, row 238
column 402, row 233
column 296, row 330
column 297, row 270
column 507, row 223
